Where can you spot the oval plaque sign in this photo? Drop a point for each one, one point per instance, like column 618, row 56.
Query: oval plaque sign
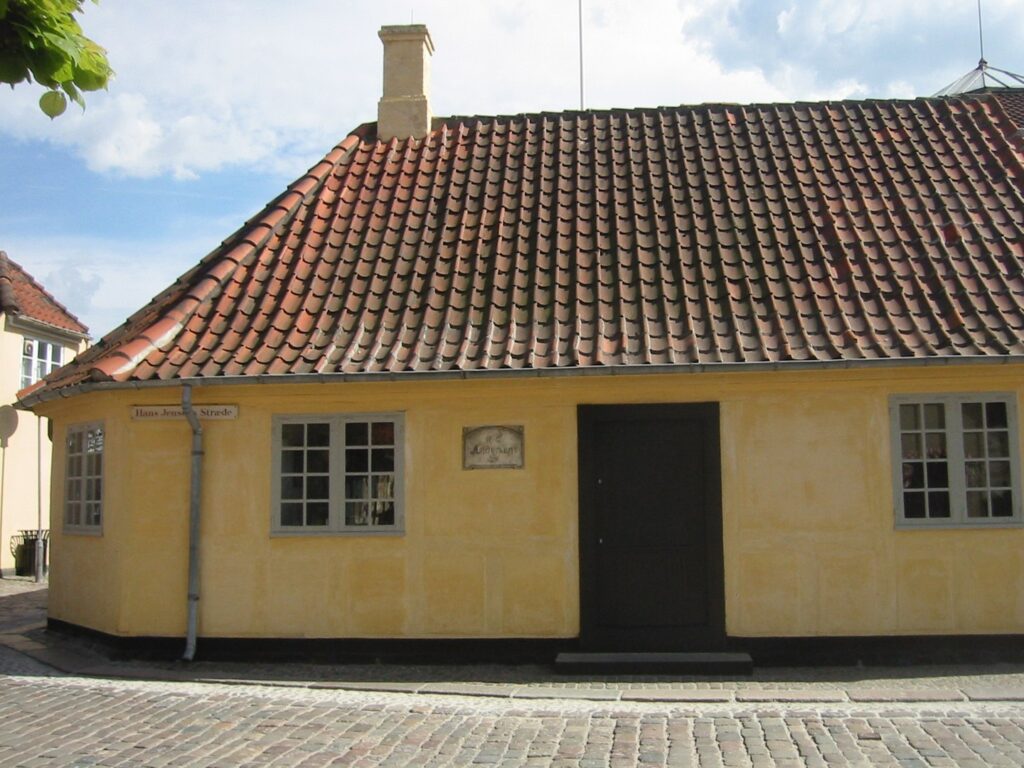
column 497, row 447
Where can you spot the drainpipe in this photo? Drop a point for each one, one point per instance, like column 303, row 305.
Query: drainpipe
column 195, row 485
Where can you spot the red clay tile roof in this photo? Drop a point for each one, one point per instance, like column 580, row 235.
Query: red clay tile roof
column 22, row 296
column 715, row 234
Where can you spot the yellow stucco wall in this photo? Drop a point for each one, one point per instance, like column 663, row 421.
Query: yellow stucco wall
column 809, row 541
column 28, row 451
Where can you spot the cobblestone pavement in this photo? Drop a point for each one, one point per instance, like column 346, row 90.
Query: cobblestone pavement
column 64, row 704
column 22, row 603
column 73, row 721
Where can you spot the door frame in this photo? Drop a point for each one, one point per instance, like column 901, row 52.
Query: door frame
column 712, row 636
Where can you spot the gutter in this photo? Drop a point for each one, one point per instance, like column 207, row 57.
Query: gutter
column 45, row 394
column 194, row 494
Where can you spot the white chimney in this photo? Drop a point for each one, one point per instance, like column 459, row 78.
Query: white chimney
column 404, row 110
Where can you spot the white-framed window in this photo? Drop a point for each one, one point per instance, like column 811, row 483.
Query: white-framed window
column 955, row 459
column 38, row 358
column 83, row 478
column 338, row 473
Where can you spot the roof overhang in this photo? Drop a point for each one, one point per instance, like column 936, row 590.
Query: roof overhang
column 44, row 395
column 29, row 325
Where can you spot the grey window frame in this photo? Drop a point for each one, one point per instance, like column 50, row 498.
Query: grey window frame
column 956, row 460
column 336, row 525
column 82, row 479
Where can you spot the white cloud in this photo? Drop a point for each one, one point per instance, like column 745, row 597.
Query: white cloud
column 102, row 281
column 203, row 85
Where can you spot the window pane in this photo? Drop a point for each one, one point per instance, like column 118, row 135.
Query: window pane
column 974, row 445
column 999, row 474
column 357, row 513
column 976, row 474
column 292, row 461
column 317, row 487
column 318, row 434
column 999, row 445
column 972, row 417
column 75, row 442
column 383, row 459
column 913, row 504
column 383, row 486
column 936, row 442
column 357, row 460
column 995, row 415
column 1002, row 504
column 383, row 433
column 977, row 504
column 911, row 442
column 938, row 476
column 910, row 417
column 356, row 433
column 318, row 461
column 357, row 487
column 383, row 513
column 935, row 416
column 28, row 348
column 938, row 504
column 316, row 514
column 291, row 487
column 292, row 435
column 913, row 474
column 291, row 514
column 73, row 514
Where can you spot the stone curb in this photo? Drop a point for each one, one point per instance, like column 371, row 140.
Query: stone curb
column 69, row 662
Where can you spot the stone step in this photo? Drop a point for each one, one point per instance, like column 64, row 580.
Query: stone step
column 699, row 663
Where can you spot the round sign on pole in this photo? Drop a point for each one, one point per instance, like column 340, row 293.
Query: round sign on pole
column 8, row 422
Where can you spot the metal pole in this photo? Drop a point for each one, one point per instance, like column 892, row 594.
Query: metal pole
column 39, row 498
column 581, row 53
column 194, row 496
column 3, row 487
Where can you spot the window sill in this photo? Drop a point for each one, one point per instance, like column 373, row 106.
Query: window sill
column 69, row 531
column 960, row 526
column 287, row 534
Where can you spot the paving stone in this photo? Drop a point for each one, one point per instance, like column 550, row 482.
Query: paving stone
column 993, row 693
column 897, row 695
column 790, row 696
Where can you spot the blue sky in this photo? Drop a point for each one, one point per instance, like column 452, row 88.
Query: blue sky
column 218, row 104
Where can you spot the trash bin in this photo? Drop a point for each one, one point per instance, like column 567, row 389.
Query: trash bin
column 25, row 551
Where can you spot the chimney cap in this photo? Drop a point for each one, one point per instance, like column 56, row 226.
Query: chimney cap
column 399, row 32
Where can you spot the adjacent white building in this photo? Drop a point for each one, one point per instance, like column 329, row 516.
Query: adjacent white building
column 37, row 335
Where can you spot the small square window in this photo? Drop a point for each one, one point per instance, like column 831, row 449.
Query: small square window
column 955, row 459
column 337, row 474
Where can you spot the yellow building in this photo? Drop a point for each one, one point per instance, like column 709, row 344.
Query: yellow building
column 677, row 379
column 38, row 335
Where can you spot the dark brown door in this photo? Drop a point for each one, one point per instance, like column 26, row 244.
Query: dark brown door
column 650, row 528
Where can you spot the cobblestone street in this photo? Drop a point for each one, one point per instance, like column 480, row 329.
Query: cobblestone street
column 69, row 721
column 61, row 704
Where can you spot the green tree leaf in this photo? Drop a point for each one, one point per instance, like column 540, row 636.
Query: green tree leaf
column 53, row 104
column 41, row 40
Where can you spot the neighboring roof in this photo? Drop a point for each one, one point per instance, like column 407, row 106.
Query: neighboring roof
column 22, row 297
column 683, row 236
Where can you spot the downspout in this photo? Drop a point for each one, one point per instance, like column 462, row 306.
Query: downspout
column 195, row 486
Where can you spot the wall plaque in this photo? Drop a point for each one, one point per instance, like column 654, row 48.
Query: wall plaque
column 492, row 447
column 208, row 412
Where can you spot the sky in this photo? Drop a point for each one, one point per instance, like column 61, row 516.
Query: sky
column 217, row 105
